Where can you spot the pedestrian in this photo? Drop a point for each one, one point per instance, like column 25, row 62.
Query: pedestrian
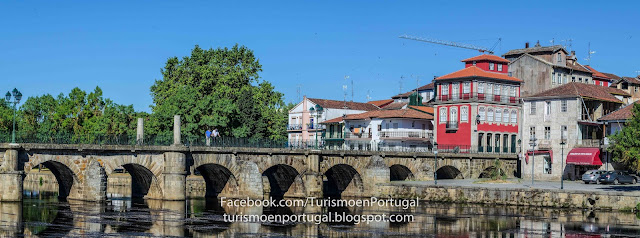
column 207, row 135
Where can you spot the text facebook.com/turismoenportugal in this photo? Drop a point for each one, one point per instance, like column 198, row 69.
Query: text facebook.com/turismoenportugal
column 404, row 204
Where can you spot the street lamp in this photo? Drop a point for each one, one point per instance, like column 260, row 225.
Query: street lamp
column 17, row 96
column 318, row 111
column 562, row 143
column 435, row 169
column 532, row 143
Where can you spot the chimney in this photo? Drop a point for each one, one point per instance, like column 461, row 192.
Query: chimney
column 573, row 53
column 526, row 45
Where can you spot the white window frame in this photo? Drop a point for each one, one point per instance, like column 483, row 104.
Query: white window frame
column 553, row 78
column 547, row 133
column 514, row 116
column 443, row 114
column 481, row 112
column 464, row 114
column 466, row 87
column 492, row 66
column 505, row 115
column 453, row 114
column 498, row 113
column 444, row 89
column 496, row 89
column 564, row 104
column 490, row 114
column 455, row 90
column 489, row 88
column 499, row 67
column 547, row 108
column 513, row 91
column 480, row 87
column 532, row 106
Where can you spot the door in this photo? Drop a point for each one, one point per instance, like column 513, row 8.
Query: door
column 513, row 143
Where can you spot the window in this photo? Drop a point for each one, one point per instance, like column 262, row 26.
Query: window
column 464, row 113
column 466, row 87
column 547, row 133
column 453, row 114
column 547, row 165
column 553, row 78
column 445, row 89
column 564, row 133
column 443, row 115
column 547, row 109
column 490, row 114
column 514, row 116
column 580, row 80
column 500, row 67
column 563, row 105
column 559, row 57
column 505, row 116
column 413, row 124
column 513, row 91
column 533, row 108
column 481, row 113
column 532, row 132
column 573, row 79
column 474, row 62
column 489, row 88
column 601, row 83
column 455, row 90
column 496, row 90
column 481, row 87
column 395, row 125
column 491, row 66
column 498, row 115
column 635, row 89
column 564, row 79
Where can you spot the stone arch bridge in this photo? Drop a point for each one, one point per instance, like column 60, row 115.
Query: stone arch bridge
column 159, row 172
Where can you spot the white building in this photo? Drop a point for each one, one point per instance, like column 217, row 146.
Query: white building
column 303, row 123
column 403, row 129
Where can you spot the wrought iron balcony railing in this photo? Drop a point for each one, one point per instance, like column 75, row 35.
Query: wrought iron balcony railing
column 406, row 134
column 477, row 97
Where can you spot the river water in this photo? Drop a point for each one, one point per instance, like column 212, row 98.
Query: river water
column 43, row 214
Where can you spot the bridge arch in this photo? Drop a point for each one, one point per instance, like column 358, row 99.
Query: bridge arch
column 145, row 172
column 218, row 179
column 399, row 172
column 342, row 180
column 449, row 172
column 283, row 180
column 65, row 172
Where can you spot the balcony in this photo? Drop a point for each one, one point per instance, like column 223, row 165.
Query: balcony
column 418, row 135
column 594, row 143
column 452, row 126
column 477, row 97
column 544, row 145
column 294, row 127
column 360, row 135
column 315, row 126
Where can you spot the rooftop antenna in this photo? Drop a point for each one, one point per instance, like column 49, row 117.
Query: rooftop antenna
column 553, row 40
column 567, row 43
column 589, row 55
column 368, row 95
column 298, row 90
column 352, row 90
column 401, row 78
column 344, row 88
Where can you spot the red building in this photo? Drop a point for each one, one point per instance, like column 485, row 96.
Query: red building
column 478, row 108
column 598, row 77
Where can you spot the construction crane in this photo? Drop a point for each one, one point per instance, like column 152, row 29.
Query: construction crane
column 454, row 44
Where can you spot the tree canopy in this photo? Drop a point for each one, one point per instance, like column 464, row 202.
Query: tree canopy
column 218, row 88
column 625, row 146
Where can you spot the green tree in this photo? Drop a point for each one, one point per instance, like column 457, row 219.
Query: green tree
column 625, row 146
column 217, row 88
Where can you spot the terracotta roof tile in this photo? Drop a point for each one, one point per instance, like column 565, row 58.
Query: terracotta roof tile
column 428, row 86
column 400, row 113
column 381, row 103
column 584, row 90
column 334, row 120
column 395, row 105
column 631, row 80
column 612, row 76
column 577, row 66
column 624, row 113
column 423, row 109
column 487, row 58
column 326, row 103
column 403, row 95
column 596, row 74
column 474, row 71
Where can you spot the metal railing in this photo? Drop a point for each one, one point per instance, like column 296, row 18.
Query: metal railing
column 588, row 143
column 452, row 125
column 406, row 134
column 478, row 97
column 311, row 126
column 292, row 127
column 352, row 135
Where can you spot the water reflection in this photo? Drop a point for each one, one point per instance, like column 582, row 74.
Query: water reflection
column 42, row 214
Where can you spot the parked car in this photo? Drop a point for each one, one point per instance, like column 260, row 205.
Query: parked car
column 592, row 176
column 617, row 177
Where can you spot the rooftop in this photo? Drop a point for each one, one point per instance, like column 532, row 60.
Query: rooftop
column 381, row 103
column 425, row 87
column 474, row 71
column 591, row 91
column 400, row 113
column 487, row 58
column 622, row 114
column 597, row 74
column 535, row 49
column 326, row 103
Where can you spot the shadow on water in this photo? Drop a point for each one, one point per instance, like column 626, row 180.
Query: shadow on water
column 205, row 216
column 47, row 217
column 128, row 216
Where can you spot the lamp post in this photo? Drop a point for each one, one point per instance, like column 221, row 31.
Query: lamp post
column 17, row 96
column 435, row 169
column 562, row 143
column 532, row 143
column 318, row 110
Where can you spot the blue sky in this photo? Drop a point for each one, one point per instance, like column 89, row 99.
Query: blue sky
column 53, row 46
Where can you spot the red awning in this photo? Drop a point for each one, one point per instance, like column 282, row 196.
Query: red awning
column 584, row 156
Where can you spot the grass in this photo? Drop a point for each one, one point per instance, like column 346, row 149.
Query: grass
column 494, row 181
